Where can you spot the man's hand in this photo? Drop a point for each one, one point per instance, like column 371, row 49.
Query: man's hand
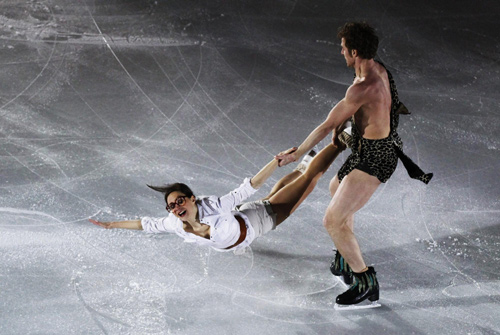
column 286, row 157
column 336, row 132
column 335, row 138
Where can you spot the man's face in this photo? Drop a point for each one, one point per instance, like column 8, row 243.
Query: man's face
column 347, row 55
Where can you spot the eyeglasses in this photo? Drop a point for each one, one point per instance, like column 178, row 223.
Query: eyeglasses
column 178, row 202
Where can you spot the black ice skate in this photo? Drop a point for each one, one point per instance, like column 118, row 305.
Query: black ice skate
column 302, row 166
column 365, row 286
column 339, row 267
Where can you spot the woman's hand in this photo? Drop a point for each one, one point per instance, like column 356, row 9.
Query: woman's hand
column 286, row 157
column 129, row 224
column 107, row 225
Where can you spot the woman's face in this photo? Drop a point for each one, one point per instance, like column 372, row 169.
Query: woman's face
column 181, row 206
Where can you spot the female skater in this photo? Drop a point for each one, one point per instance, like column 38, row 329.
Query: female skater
column 222, row 223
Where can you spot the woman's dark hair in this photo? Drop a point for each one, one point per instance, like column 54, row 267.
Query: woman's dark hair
column 359, row 36
column 167, row 189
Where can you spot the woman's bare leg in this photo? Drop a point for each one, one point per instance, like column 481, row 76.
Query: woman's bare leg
column 283, row 182
column 288, row 198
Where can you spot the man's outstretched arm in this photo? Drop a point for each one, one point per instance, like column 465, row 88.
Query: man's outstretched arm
column 342, row 111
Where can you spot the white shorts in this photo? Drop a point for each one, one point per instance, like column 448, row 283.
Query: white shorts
column 260, row 215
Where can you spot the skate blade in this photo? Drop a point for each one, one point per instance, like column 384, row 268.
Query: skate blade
column 373, row 304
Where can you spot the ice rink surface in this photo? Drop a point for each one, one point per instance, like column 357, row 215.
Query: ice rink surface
column 100, row 97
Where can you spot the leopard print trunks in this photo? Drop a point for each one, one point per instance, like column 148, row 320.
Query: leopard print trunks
column 379, row 157
column 375, row 157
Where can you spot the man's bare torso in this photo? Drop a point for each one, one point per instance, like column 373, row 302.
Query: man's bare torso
column 373, row 118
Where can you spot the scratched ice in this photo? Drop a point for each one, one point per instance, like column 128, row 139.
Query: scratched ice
column 99, row 98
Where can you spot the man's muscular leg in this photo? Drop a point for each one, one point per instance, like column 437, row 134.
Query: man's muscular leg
column 339, row 266
column 334, row 185
column 351, row 195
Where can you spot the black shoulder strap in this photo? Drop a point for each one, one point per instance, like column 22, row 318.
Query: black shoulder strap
column 397, row 108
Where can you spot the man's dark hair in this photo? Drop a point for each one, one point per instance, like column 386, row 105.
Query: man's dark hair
column 167, row 189
column 359, row 36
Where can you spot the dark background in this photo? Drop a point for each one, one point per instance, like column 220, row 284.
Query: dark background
column 100, row 98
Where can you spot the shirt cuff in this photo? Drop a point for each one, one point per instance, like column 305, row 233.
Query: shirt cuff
column 248, row 186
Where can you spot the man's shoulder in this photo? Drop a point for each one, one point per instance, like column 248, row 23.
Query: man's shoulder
column 360, row 90
column 360, row 85
column 369, row 85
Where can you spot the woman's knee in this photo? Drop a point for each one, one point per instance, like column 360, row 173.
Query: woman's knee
column 312, row 175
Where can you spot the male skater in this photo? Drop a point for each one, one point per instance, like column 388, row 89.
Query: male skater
column 371, row 103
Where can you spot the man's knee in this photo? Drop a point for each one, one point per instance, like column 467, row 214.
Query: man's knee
column 336, row 227
column 333, row 221
column 327, row 223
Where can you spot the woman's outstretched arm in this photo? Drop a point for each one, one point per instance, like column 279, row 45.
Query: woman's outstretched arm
column 129, row 224
column 260, row 178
